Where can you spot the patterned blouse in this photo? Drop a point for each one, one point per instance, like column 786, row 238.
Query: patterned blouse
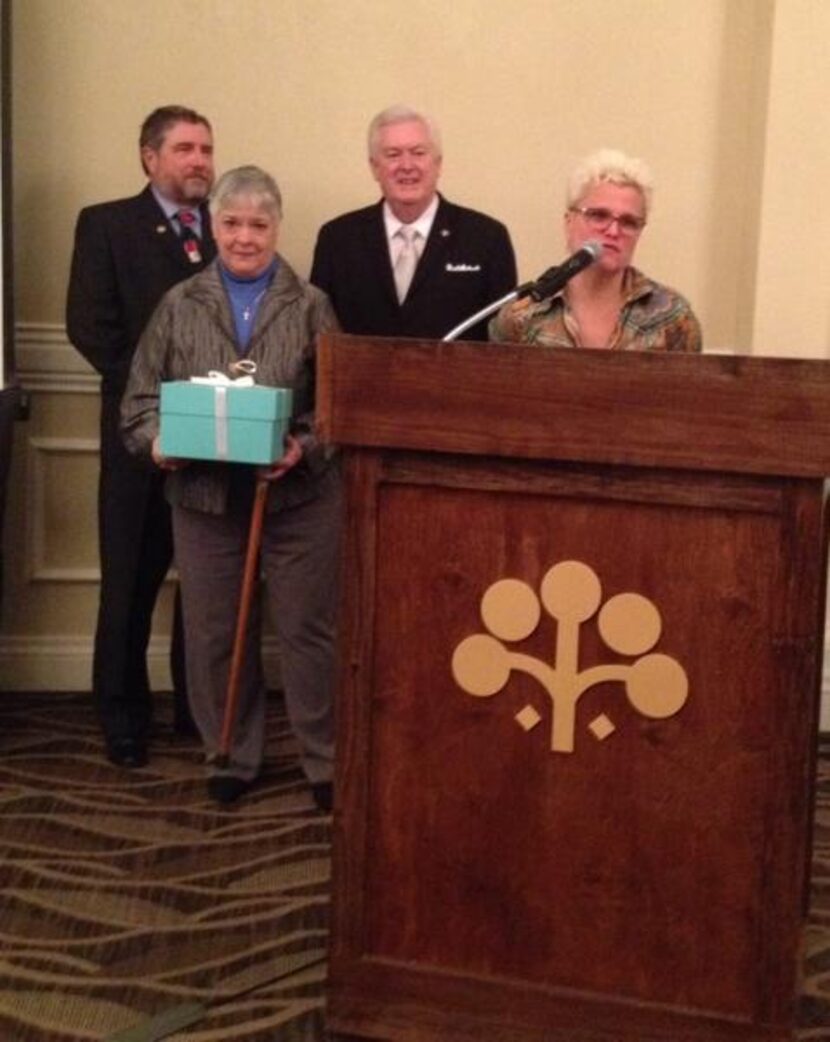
column 652, row 318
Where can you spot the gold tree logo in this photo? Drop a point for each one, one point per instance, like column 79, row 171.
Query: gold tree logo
column 630, row 624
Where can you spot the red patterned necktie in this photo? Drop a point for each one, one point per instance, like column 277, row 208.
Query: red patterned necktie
column 188, row 236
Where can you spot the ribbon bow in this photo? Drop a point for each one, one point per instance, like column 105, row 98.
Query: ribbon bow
column 218, row 379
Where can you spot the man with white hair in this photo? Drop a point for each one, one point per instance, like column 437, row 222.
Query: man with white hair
column 413, row 264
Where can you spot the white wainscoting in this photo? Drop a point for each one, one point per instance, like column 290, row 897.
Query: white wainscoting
column 34, row 662
column 48, row 363
column 42, row 569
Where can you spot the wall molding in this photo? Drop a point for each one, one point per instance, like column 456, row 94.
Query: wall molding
column 47, row 362
column 40, row 449
column 64, row 663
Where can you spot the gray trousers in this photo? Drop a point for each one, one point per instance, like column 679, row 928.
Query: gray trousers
column 299, row 561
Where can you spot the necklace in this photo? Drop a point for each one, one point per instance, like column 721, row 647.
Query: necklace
column 250, row 308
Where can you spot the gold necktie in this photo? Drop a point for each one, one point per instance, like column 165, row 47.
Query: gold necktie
column 407, row 259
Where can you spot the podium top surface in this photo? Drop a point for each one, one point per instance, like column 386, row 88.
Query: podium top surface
column 698, row 412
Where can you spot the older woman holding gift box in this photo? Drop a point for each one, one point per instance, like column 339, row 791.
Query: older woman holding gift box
column 248, row 305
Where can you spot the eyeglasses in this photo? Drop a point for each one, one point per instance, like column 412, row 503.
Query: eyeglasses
column 601, row 219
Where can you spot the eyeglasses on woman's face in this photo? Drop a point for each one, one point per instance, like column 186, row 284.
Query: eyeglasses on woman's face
column 600, row 219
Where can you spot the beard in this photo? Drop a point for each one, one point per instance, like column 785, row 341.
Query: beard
column 195, row 189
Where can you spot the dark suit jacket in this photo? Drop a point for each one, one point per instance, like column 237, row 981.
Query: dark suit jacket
column 467, row 263
column 126, row 257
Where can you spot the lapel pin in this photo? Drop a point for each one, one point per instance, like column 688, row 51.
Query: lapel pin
column 445, row 232
column 161, row 229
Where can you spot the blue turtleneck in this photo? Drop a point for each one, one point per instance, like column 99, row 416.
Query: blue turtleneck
column 245, row 296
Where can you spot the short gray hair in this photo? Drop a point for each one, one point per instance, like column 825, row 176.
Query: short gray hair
column 248, row 182
column 609, row 164
column 402, row 114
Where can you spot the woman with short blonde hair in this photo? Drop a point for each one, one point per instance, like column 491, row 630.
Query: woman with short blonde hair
column 609, row 304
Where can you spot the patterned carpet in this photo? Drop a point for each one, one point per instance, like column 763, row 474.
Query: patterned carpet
column 133, row 909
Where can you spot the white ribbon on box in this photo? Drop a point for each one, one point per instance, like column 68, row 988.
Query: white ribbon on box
column 220, row 383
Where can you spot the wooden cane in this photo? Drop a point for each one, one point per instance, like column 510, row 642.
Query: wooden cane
column 249, row 579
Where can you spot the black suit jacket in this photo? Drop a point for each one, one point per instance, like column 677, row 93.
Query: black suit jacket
column 467, row 263
column 127, row 255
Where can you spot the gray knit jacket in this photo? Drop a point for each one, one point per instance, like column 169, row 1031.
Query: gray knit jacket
column 191, row 333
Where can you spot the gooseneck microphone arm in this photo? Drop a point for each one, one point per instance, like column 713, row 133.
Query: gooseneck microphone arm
column 479, row 316
column 546, row 285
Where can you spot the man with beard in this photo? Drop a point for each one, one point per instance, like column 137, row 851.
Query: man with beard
column 127, row 254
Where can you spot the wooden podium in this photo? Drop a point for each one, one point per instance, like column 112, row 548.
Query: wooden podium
column 580, row 664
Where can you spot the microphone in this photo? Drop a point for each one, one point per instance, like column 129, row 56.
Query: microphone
column 555, row 278
column 545, row 286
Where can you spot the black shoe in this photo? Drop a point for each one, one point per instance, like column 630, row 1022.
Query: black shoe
column 322, row 793
column 227, row 788
column 127, row 752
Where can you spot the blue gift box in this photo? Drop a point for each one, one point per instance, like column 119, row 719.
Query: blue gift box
column 223, row 422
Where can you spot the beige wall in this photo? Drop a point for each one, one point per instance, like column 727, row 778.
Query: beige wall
column 726, row 99
column 792, row 314
column 521, row 89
